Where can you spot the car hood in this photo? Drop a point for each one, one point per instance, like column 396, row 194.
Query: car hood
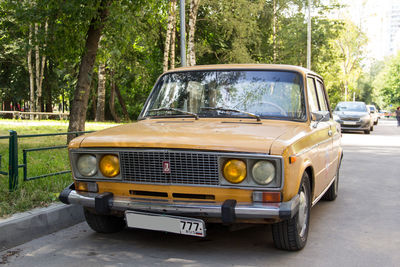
column 244, row 135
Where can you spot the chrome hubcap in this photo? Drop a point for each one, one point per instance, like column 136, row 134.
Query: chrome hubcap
column 302, row 215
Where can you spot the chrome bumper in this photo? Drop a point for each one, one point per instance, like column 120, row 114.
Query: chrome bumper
column 228, row 211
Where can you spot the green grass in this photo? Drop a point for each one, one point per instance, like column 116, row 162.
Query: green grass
column 43, row 191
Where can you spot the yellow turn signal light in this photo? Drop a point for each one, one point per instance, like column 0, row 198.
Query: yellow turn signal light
column 109, row 165
column 235, row 171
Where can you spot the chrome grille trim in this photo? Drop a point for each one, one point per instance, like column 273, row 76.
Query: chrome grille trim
column 187, row 167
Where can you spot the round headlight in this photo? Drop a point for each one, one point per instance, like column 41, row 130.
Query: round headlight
column 87, row 165
column 235, row 171
column 263, row 172
column 109, row 165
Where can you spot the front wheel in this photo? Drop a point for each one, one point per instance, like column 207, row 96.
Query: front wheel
column 104, row 223
column 332, row 192
column 367, row 131
column 292, row 234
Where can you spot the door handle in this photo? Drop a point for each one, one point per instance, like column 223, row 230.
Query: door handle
column 330, row 132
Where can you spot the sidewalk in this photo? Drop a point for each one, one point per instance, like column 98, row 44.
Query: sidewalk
column 26, row 226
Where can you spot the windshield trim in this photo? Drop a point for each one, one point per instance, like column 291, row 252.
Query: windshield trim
column 301, row 80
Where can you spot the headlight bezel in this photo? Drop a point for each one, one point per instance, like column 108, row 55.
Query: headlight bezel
column 251, row 160
column 86, row 157
column 98, row 176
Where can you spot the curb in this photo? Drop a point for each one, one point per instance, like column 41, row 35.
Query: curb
column 26, row 226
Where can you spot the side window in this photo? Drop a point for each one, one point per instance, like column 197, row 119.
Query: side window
column 312, row 95
column 321, row 96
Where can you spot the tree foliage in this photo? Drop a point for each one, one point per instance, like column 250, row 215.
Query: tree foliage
column 387, row 84
column 133, row 40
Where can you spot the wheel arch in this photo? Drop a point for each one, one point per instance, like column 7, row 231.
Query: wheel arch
column 310, row 171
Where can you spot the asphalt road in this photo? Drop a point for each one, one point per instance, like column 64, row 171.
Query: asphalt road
column 360, row 228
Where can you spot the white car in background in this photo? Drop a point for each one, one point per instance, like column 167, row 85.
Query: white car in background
column 374, row 114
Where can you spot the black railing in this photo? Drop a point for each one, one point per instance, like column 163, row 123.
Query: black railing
column 13, row 165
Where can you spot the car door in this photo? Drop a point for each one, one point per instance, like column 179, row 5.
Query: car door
column 321, row 136
column 333, row 159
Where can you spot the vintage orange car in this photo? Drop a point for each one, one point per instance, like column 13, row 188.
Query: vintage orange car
column 230, row 144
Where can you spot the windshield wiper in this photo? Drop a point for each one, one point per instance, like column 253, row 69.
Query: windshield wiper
column 177, row 110
column 233, row 110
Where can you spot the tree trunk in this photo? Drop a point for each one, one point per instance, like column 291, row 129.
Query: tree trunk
column 112, row 99
column 171, row 12
column 121, row 102
column 47, row 86
column 41, row 73
column 31, row 82
column 94, row 100
column 37, row 63
column 173, row 38
column 81, row 94
column 101, row 93
column 194, row 7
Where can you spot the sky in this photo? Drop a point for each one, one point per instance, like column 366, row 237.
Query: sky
column 372, row 16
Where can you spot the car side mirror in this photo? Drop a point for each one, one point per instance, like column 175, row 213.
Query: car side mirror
column 319, row 116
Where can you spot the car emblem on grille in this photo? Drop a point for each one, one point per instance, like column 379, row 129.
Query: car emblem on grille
column 166, row 167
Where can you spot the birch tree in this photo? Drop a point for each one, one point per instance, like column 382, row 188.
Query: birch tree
column 194, row 7
column 101, row 92
column 170, row 34
column 351, row 43
column 30, row 71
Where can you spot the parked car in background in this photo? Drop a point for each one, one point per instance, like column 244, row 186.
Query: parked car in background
column 374, row 114
column 354, row 116
column 381, row 113
column 224, row 144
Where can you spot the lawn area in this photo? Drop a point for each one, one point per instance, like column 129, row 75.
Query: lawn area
column 43, row 191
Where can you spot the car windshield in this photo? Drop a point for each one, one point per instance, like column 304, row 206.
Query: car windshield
column 351, row 106
column 265, row 94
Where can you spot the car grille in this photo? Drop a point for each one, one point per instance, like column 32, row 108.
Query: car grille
column 185, row 167
column 350, row 118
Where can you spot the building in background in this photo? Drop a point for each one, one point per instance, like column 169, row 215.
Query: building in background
column 394, row 28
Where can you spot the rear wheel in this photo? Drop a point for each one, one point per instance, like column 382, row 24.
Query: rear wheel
column 292, row 234
column 104, row 223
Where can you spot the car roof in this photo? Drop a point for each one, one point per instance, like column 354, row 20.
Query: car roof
column 341, row 102
column 277, row 67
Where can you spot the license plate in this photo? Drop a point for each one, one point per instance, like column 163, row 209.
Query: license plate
column 166, row 223
column 350, row 122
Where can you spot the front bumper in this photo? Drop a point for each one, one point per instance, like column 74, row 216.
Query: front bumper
column 359, row 126
column 228, row 211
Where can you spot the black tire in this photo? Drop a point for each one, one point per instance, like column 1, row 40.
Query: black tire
column 292, row 234
column 332, row 192
column 367, row 131
column 376, row 123
column 104, row 223
column 372, row 128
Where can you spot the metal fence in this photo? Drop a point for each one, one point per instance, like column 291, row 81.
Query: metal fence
column 13, row 165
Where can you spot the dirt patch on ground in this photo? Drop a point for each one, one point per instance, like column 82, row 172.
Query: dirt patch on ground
column 8, row 254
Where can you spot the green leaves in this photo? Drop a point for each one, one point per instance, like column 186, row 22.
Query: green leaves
column 387, row 84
